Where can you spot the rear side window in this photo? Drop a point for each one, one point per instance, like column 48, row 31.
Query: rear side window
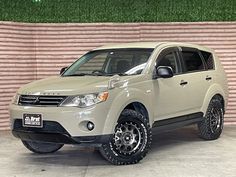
column 192, row 61
column 208, row 57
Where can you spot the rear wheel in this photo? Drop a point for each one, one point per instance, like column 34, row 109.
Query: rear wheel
column 212, row 125
column 131, row 140
column 41, row 147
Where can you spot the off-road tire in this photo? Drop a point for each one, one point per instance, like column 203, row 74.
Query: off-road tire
column 212, row 125
column 41, row 147
column 136, row 123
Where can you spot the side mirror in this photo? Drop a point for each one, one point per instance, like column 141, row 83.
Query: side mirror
column 163, row 72
column 63, row 69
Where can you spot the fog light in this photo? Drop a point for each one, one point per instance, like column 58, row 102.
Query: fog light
column 90, row 126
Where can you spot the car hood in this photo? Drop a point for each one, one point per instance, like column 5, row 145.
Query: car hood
column 66, row 85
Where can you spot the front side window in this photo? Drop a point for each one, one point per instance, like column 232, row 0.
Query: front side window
column 110, row 62
column 192, row 61
column 170, row 60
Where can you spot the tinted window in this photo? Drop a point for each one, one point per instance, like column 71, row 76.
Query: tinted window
column 208, row 59
column 169, row 60
column 128, row 62
column 192, row 61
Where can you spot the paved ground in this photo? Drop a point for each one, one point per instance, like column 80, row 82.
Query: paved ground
column 178, row 153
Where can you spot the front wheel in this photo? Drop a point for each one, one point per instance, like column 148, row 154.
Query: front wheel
column 131, row 140
column 212, row 125
column 41, row 147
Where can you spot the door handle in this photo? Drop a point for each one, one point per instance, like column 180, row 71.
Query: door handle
column 182, row 82
column 208, row 78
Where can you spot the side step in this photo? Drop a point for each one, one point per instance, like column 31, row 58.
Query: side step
column 177, row 122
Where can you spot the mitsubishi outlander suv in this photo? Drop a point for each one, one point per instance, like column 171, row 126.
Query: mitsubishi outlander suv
column 113, row 97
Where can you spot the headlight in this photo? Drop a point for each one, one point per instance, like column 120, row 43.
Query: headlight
column 15, row 99
column 85, row 100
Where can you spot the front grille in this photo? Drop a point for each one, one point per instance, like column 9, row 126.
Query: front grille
column 38, row 100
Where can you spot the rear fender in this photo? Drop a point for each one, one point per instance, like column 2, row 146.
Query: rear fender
column 212, row 91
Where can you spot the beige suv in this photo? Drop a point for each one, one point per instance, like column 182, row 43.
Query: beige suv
column 114, row 96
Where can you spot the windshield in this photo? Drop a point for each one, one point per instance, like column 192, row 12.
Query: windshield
column 110, row 62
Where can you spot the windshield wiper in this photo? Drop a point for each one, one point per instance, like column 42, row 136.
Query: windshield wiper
column 96, row 74
column 79, row 74
column 89, row 74
column 122, row 74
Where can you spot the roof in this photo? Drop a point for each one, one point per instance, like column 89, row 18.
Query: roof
column 130, row 45
column 151, row 45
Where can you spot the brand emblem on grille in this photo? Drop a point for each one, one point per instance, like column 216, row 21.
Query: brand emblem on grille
column 36, row 100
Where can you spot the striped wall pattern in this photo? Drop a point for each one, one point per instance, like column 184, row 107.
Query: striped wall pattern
column 34, row 51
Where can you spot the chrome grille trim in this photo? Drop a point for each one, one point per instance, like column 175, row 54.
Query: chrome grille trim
column 40, row 100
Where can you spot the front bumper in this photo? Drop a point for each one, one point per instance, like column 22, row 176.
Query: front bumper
column 72, row 119
column 53, row 132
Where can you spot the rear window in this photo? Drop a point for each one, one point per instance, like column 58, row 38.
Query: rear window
column 192, row 61
column 208, row 57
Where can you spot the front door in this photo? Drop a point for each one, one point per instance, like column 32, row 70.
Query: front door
column 169, row 93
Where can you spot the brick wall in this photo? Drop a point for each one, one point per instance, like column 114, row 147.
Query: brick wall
column 34, row 51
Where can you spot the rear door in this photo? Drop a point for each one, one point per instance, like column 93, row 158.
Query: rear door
column 197, row 78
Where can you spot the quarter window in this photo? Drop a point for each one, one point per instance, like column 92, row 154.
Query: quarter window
column 192, row 61
column 208, row 59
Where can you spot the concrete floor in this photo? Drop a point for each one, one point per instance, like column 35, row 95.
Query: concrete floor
column 178, row 153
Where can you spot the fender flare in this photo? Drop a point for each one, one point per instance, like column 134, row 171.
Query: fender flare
column 122, row 100
column 215, row 89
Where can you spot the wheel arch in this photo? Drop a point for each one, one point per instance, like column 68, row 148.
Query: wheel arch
column 139, row 107
column 128, row 101
column 221, row 98
column 214, row 91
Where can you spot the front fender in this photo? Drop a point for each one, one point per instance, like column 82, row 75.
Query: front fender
column 125, row 96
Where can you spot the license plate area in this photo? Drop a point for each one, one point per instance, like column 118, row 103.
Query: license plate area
column 32, row 120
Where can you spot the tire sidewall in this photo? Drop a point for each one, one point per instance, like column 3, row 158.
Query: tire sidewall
column 205, row 127
column 116, row 158
column 216, row 103
column 41, row 147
